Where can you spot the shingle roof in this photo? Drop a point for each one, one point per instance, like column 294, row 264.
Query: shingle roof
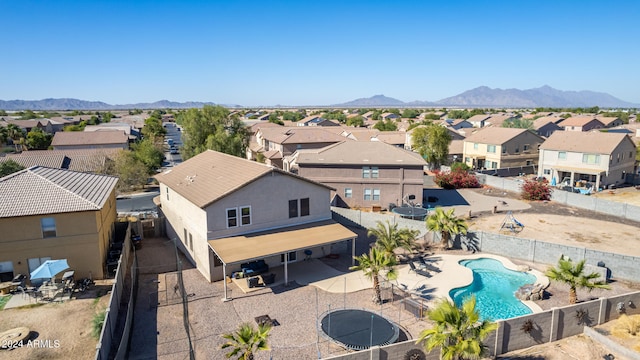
column 361, row 153
column 40, row 190
column 594, row 142
column 494, row 135
column 89, row 138
column 211, row 175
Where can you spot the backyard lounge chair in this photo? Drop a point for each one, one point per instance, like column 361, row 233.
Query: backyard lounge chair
column 253, row 281
column 417, row 270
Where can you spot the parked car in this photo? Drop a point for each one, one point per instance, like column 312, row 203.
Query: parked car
column 173, row 150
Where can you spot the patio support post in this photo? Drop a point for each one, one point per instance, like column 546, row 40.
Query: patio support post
column 597, row 182
column 286, row 270
column 353, row 252
column 224, row 282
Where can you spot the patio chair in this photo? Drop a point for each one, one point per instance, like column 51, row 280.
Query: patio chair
column 253, row 281
column 418, row 270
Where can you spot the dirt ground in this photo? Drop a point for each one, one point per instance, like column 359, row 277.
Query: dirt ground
column 627, row 195
column 58, row 330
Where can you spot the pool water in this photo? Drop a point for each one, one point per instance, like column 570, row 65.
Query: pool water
column 494, row 287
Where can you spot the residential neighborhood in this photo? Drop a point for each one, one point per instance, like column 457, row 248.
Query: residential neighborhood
column 295, row 208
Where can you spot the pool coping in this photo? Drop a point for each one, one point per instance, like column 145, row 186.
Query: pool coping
column 452, row 275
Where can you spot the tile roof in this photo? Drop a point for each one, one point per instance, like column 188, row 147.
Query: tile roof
column 89, row 138
column 594, row 142
column 494, row 135
column 40, row 191
column 299, row 135
column 361, row 153
column 83, row 160
column 392, row 137
column 211, row 175
column 579, row 121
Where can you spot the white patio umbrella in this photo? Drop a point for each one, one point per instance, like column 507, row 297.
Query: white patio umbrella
column 49, row 269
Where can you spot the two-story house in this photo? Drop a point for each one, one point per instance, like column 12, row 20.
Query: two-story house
column 497, row 148
column 274, row 143
column 597, row 157
column 364, row 174
column 547, row 125
column 50, row 213
column 581, row 123
column 224, row 210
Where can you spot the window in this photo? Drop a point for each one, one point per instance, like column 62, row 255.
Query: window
column 245, row 215
column 366, row 172
column 167, row 193
column 292, row 257
column 190, row 241
column 48, row 227
column 304, row 207
column 618, row 158
column 562, row 155
column 526, row 147
column 591, row 159
column 517, row 150
column 185, row 236
column 504, row 149
column 491, row 148
column 348, row 193
column 293, row 208
column 529, row 162
column 467, row 160
column 376, row 194
column 367, row 194
column 475, row 146
column 547, row 171
column 232, row 218
column 374, row 172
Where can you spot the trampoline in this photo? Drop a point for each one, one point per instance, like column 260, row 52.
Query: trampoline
column 413, row 213
column 358, row 329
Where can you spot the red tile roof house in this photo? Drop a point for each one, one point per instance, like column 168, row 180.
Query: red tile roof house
column 225, row 210
column 68, row 140
column 364, row 173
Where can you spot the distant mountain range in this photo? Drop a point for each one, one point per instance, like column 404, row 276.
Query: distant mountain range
column 75, row 104
column 482, row 96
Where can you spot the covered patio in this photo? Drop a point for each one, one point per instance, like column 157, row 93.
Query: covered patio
column 282, row 241
column 577, row 174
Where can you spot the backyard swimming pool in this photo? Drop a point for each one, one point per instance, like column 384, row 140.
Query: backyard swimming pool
column 494, row 287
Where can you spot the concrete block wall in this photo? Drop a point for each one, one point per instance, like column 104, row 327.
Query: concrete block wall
column 370, row 219
column 510, row 336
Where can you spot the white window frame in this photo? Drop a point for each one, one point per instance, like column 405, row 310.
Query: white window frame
column 491, row 149
column 475, row 146
column 226, row 212
column 292, row 256
column 562, row 155
column 348, row 193
column 242, row 216
column 547, row 171
column 586, row 159
column 366, row 172
column 375, row 172
column 375, row 195
column 367, row 195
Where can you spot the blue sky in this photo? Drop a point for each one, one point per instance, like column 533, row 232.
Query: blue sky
column 311, row 53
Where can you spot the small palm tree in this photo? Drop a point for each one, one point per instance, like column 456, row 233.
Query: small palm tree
column 246, row 340
column 389, row 237
column 458, row 331
column 447, row 224
column 574, row 276
column 373, row 264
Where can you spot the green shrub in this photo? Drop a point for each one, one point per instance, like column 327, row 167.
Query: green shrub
column 97, row 322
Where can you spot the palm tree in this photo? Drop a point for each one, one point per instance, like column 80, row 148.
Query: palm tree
column 373, row 264
column 458, row 331
column 4, row 135
column 447, row 224
column 246, row 340
column 16, row 134
column 573, row 275
column 389, row 237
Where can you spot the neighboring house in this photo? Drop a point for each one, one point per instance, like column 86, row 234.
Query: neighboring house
column 395, row 138
column 28, row 125
column 83, row 160
column 408, row 141
column 456, row 151
column 264, row 117
column 389, row 116
column 610, row 121
column 277, row 142
column 498, row 119
column 479, row 121
column 598, row 157
column 364, row 174
column 316, row 120
column 128, row 129
column 224, row 210
column 367, row 115
column 56, row 214
column 546, row 125
column 458, row 124
column 68, row 140
column 497, row 148
column 581, row 123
